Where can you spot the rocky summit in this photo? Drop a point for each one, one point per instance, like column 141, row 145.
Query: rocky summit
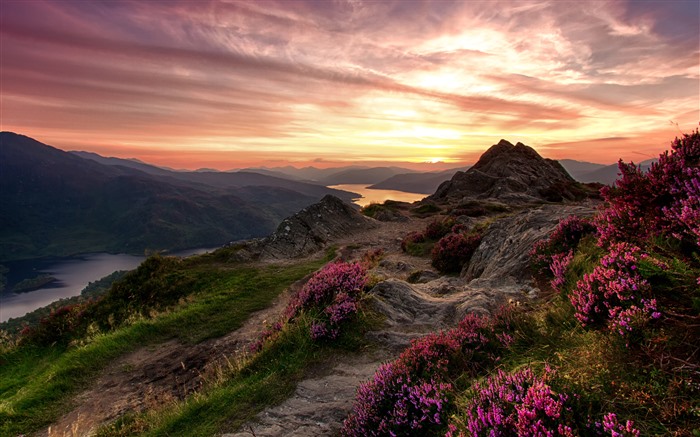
column 514, row 173
column 311, row 228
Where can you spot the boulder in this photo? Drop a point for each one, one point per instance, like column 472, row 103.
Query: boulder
column 502, row 258
column 312, row 228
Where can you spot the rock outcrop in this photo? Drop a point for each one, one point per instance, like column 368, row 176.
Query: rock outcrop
column 502, row 257
column 512, row 173
column 312, row 228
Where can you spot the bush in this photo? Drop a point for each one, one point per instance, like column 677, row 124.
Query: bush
column 438, row 228
column 411, row 395
column 615, row 293
column 524, row 404
column 59, row 327
column 454, row 251
column 561, row 242
column 665, row 201
column 331, row 296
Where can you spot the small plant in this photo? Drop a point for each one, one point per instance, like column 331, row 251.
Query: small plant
column 524, row 404
column 454, row 251
column 615, row 293
column 411, row 395
column 331, row 297
column 438, row 228
column 564, row 239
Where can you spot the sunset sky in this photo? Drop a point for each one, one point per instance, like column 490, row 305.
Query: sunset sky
column 219, row 84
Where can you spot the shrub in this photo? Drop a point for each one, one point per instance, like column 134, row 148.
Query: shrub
column 438, row 228
column 663, row 201
column 331, row 296
column 615, row 293
column 454, row 251
column 60, row 326
column 564, row 239
column 524, row 404
column 411, row 395
column 412, row 238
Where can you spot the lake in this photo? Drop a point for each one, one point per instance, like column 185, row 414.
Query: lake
column 378, row 196
column 73, row 274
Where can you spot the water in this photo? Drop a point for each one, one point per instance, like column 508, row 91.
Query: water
column 378, row 196
column 73, row 274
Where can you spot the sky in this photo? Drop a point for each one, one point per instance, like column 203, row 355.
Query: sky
column 233, row 84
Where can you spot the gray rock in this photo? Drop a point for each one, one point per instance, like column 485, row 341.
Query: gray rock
column 502, row 257
column 311, row 229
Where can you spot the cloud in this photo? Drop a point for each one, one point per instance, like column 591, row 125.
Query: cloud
column 292, row 77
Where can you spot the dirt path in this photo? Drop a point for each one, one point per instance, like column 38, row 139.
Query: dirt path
column 155, row 375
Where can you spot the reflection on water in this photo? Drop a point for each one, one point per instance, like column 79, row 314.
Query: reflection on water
column 377, row 196
column 73, row 274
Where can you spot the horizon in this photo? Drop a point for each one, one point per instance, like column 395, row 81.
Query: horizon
column 426, row 85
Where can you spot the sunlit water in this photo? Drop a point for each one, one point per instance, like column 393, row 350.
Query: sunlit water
column 73, row 274
column 377, row 196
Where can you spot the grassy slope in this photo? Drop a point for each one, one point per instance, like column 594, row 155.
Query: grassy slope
column 36, row 382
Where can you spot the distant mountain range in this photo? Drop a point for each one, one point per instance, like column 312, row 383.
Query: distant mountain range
column 55, row 203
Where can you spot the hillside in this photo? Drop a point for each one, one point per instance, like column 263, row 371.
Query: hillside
column 472, row 314
column 362, row 176
column 57, row 203
column 424, row 183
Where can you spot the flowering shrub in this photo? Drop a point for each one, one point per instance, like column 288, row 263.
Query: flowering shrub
column 410, row 396
column 412, row 238
column 615, row 293
column 559, row 266
column 332, row 295
column 564, row 239
column 524, row 404
column 438, row 228
column 518, row 404
column 453, row 251
column 59, row 326
column 663, row 201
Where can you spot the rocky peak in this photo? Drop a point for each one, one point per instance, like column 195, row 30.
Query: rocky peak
column 313, row 227
column 513, row 173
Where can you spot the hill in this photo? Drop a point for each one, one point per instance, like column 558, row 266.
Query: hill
column 58, row 203
column 609, row 173
column 575, row 318
column 424, row 183
column 579, row 168
column 516, row 173
column 363, row 175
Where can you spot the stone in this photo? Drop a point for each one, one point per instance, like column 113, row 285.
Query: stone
column 312, row 228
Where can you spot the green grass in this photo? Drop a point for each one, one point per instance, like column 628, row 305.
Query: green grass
column 36, row 383
column 268, row 379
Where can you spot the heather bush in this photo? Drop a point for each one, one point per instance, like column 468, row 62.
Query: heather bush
column 662, row 201
column 524, row 404
column 564, row 239
column 411, row 395
column 437, row 229
column 331, row 296
column 615, row 294
column 60, row 326
column 411, row 239
column 454, row 251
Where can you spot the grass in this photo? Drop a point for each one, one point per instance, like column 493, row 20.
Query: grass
column 36, row 383
column 240, row 393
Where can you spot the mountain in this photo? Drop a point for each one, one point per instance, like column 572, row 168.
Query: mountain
column 363, row 175
column 511, row 173
column 313, row 174
column 577, row 169
column 609, row 173
column 226, row 180
column 424, row 183
column 55, row 203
